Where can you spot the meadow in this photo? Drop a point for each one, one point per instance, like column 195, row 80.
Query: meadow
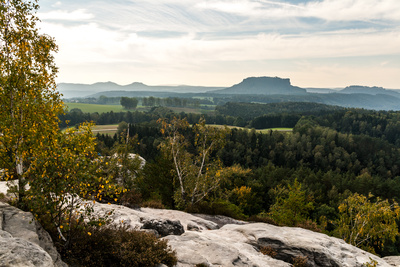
column 91, row 108
column 109, row 129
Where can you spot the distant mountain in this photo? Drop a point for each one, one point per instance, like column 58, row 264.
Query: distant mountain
column 357, row 89
column 263, row 86
column 75, row 90
column 70, row 90
column 252, row 89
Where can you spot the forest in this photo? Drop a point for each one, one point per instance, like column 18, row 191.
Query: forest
column 332, row 155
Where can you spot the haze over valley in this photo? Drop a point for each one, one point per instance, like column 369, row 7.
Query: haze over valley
column 252, row 89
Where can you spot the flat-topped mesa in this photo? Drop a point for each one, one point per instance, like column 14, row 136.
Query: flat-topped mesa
column 263, row 86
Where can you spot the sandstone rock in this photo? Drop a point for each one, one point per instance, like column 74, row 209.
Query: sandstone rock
column 135, row 217
column 163, row 227
column 18, row 252
column 193, row 227
column 183, row 217
column 212, row 249
column 393, row 260
column 23, row 241
column 220, row 220
column 290, row 242
column 239, row 244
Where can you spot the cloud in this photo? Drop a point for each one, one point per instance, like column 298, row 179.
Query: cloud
column 174, row 41
column 76, row 15
column 329, row 10
column 345, row 10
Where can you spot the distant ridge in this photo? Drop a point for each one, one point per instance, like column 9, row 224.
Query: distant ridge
column 357, row 89
column 263, row 86
column 76, row 90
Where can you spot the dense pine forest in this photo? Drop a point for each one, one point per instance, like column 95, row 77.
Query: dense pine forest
column 331, row 155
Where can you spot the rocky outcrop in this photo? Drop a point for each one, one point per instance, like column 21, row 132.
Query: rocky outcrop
column 23, row 242
column 207, row 240
column 241, row 245
column 228, row 242
column 393, row 260
column 163, row 227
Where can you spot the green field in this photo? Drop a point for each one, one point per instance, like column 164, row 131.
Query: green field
column 109, row 129
column 276, row 129
column 91, row 108
column 260, row 130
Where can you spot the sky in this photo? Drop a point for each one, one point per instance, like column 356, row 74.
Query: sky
column 315, row 43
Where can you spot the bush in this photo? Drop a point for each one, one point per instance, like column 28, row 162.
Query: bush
column 268, row 251
column 132, row 199
column 154, row 204
column 113, row 245
column 218, row 207
column 262, row 217
column 300, row 261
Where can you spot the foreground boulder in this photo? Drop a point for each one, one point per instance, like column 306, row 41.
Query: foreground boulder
column 23, row 242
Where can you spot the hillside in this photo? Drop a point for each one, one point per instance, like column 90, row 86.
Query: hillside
column 263, row 86
column 252, row 110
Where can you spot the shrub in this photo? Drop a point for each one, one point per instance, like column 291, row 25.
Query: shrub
column 113, row 245
column 309, row 225
column 262, row 217
column 154, row 204
column 300, row 261
column 218, row 207
column 132, row 199
column 268, row 251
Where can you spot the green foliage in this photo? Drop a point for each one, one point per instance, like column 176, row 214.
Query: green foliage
column 367, row 224
column 217, row 207
column 117, row 246
column 129, row 102
column 157, row 181
column 292, row 205
column 254, row 110
column 245, row 199
column 64, row 174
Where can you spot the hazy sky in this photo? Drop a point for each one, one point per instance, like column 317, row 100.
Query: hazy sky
column 315, row 43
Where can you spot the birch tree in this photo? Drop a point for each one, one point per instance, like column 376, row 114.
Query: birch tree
column 366, row 224
column 29, row 103
column 197, row 174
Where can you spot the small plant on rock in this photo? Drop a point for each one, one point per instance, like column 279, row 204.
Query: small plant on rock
column 300, row 261
column 267, row 250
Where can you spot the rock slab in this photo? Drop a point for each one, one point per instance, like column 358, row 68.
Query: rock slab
column 23, row 242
